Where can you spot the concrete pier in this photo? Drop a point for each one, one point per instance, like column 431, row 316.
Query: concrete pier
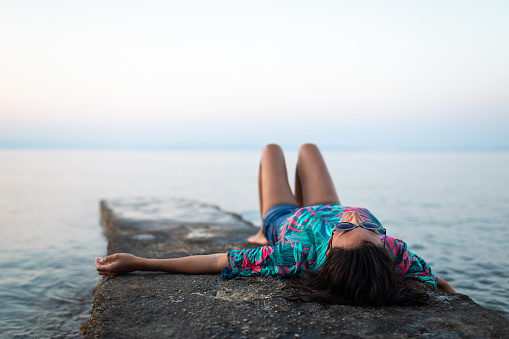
column 162, row 305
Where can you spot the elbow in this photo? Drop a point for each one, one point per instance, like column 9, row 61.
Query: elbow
column 444, row 286
column 221, row 262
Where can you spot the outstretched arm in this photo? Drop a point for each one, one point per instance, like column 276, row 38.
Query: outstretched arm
column 444, row 286
column 121, row 263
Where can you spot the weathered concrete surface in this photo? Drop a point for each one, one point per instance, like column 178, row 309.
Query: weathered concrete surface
column 160, row 305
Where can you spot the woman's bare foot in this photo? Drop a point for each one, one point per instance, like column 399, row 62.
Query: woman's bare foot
column 258, row 238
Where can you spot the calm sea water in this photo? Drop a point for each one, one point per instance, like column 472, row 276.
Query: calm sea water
column 451, row 208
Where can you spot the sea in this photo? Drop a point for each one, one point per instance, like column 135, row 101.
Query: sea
column 452, row 209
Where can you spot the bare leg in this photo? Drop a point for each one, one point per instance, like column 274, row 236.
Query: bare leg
column 273, row 187
column 313, row 183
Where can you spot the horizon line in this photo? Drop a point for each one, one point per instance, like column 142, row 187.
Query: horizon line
column 248, row 148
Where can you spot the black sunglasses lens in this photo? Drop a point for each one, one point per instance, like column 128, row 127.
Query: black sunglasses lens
column 371, row 225
column 343, row 226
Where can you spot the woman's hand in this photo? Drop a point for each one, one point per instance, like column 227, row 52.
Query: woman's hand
column 444, row 286
column 118, row 263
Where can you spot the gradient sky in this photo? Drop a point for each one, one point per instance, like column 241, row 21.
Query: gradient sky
column 391, row 75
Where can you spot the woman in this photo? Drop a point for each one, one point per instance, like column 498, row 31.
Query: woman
column 338, row 254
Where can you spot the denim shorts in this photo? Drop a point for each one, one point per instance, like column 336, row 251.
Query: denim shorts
column 274, row 217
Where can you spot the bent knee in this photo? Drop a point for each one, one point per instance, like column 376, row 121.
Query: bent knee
column 308, row 147
column 271, row 148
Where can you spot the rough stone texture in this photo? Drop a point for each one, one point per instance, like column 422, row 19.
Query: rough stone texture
column 159, row 305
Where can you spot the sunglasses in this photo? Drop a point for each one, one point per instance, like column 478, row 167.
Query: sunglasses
column 347, row 226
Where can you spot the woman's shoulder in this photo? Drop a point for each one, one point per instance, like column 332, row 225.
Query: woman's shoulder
column 396, row 247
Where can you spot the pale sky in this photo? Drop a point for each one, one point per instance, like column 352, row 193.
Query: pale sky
column 345, row 74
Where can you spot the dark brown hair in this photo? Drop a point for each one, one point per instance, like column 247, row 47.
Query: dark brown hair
column 360, row 276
